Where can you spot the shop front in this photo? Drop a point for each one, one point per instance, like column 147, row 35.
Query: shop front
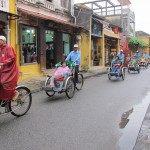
column 111, row 45
column 96, row 43
column 43, row 43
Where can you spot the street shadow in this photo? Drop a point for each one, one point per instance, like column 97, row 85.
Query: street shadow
column 9, row 120
column 56, row 98
column 115, row 80
column 133, row 73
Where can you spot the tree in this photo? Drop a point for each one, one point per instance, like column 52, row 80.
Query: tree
column 135, row 43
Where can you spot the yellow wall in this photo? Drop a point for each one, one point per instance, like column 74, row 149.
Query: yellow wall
column 30, row 71
column 146, row 40
column 27, row 71
column 85, row 48
column 12, row 24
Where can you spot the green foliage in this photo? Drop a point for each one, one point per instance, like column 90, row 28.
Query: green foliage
column 136, row 42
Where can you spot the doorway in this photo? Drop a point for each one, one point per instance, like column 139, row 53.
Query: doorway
column 50, row 53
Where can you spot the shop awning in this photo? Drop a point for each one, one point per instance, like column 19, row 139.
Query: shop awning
column 112, row 36
column 39, row 15
column 10, row 16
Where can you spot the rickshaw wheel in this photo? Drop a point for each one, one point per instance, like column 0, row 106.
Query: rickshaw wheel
column 49, row 93
column 109, row 76
column 79, row 85
column 70, row 88
column 123, row 73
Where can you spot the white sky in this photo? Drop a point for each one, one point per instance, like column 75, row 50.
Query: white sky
column 141, row 8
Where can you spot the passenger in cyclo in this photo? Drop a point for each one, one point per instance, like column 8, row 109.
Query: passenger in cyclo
column 116, row 64
column 61, row 72
column 143, row 59
column 146, row 56
column 9, row 72
column 133, row 61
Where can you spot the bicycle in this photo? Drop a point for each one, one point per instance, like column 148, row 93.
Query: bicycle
column 20, row 106
column 80, row 82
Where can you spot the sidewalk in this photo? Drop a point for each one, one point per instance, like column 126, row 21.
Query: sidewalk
column 35, row 84
column 143, row 139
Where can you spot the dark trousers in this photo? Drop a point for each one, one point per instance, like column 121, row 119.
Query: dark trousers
column 76, row 73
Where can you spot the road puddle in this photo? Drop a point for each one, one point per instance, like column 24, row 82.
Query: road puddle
column 130, row 124
column 124, row 119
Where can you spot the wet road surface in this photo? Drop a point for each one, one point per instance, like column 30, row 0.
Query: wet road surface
column 92, row 120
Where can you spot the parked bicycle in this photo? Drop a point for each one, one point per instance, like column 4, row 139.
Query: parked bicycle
column 20, row 106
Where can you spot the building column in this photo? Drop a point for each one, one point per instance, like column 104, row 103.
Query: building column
column 58, row 46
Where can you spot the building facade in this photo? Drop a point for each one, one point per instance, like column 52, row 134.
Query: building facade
column 102, row 37
column 46, row 34
column 146, row 38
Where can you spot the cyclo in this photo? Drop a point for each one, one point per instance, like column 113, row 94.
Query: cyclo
column 133, row 65
column 116, row 70
column 64, row 84
column 20, row 106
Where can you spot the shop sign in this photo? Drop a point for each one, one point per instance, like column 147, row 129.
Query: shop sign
column 4, row 5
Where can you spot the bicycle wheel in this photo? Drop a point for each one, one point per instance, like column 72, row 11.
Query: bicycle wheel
column 109, row 76
column 49, row 93
column 123, row 74
column 70, row 88
column 23, row 103
column 80, row 82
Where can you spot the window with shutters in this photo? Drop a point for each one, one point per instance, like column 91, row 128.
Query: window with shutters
column 66, row 4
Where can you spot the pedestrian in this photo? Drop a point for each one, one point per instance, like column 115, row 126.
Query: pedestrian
column 75, row 57
column 9, row 72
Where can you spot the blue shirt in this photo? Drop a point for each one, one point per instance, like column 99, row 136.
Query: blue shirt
column 74, row 56
column 121, row 56
column 145, row 56
column 116, row 61
column 137, row 55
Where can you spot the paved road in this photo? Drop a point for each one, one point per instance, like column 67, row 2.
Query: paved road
column 89, row 121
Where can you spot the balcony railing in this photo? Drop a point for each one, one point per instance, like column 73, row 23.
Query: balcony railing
column 31, row 1
column 45, row 4
column 49, row 5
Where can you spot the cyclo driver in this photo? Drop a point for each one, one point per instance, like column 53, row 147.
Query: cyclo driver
column 121, row 55
column 75, row 57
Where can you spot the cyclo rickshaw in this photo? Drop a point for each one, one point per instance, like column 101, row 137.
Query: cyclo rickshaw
column 133, row 65
column 116, row 70
column 64, row 84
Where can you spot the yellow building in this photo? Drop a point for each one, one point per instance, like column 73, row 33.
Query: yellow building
column 44, row 37
column 97, row 44
column 146, row 38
